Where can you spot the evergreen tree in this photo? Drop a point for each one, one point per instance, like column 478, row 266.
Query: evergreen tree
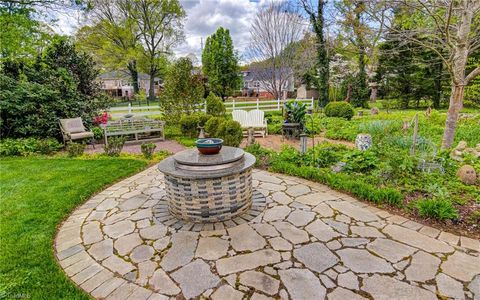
column 220, row 63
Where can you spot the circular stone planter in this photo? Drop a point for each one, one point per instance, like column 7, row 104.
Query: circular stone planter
column 208, row 188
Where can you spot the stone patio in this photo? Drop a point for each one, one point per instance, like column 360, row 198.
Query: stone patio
column 309, row 242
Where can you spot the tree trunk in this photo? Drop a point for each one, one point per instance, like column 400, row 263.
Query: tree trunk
column 322, row 55
column 438, row 85
column 373, row 95
column 132, row 68
column 349, row 93
column 456, row 103
column 151, row 88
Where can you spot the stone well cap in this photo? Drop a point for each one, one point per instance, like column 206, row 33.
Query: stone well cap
column 192, row 157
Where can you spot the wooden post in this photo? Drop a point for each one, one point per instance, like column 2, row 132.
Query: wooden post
column 311, row 103
column 258, row 104
column 415, row 135
column 303, row 143
column 278, row 104
column 233, row 104
column 251, row 136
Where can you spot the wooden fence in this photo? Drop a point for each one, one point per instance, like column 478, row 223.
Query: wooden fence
column 265, row 105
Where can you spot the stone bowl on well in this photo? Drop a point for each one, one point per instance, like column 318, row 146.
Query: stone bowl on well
column 209, row 146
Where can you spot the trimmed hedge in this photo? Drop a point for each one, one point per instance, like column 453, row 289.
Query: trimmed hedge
column 339, row 109
column 211, row 127
column 231, row 133
column 341, row 182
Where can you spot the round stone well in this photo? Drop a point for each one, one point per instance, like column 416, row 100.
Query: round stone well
column 208, row 188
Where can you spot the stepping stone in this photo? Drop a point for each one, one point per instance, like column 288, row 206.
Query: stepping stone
column 107, row 204
column 101, row 250
column 260, row 282
column 227, row 292
column 126, row 243
column 276, row 213
column 361, row 261
column 265, row 177
column 195, row 278
column 321, row 231
column 181, row 252
column 133, row 203
column 461, row 266
column 302, row 284
column 153, row 232
column 316, row 257
column 390, row 250
column 265, row 230
column 145, row 271
column 300, row 217
column 348, row 280
column 211, row 248
column 423, row 267
column 342, row 294
column 418, row 240
column 353, row 211
column 385, row 287
column 141, row 253
column 244, row 238
column 324, row 210
column 272, row 187
column 313, row 199
column 92, row 233
column 449, row 287
column 474, row 286
column 248, row 261
column 280, row 244
column 118, row 265
column 162, row 283
column 366, row 231
column 297, row 190
column 291, row 233
column 281, row 198
column 119, row 229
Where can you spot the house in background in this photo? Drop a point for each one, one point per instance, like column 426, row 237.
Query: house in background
column 256, row 82
column 118, row 84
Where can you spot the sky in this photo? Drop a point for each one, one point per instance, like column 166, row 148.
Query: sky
column 203, row 18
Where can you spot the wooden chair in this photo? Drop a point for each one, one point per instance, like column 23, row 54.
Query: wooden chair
column 256, row 120
column 73, row 129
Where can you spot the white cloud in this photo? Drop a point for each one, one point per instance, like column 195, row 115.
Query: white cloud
column 203, row 18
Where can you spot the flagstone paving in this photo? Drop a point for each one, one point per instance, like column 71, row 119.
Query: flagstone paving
column 301, row 240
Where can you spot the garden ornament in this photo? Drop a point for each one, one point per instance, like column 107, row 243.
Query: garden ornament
column 467, row 174
column 363, row 141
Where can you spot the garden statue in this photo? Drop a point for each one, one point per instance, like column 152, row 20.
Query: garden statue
column 201, row 135
column 363, row 141
column 338, row 167
column 428, row 112
column 251, row 136
column 459, row 152
column 467, row 174
column 360, row 113
column 374, row 111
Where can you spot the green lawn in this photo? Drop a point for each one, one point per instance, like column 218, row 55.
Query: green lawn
column 36, row 194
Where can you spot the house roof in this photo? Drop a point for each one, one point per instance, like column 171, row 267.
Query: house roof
column 263, row 73
column 120, row 74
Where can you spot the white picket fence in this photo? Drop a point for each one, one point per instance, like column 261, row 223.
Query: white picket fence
column 265, row 105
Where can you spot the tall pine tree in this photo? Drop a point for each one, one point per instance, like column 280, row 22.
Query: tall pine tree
column 220, row 63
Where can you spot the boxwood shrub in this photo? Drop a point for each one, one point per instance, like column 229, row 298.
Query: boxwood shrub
column 339, row 109
column 231, row 133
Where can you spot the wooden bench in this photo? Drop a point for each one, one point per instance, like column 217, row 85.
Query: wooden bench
column 134, row 126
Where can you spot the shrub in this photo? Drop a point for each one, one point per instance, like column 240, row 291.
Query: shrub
column 28, row 146
column 75, row 149
column 97, row 133
column 215, row 106
column 339, row 109
column 189, row 125
column 61, row 83
column 360, row 161
column 147, row 150
column 203, row 119
column 115, row 146
column 295, row 112
column 436, row 208
column 211, row 127
column 231, row 133
column 262, row 155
